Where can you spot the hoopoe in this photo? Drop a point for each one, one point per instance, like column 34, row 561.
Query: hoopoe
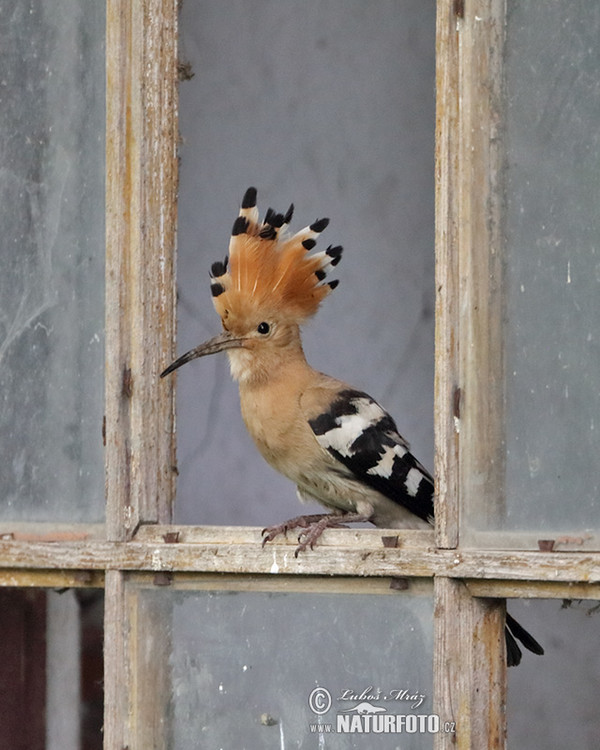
column 333, row 441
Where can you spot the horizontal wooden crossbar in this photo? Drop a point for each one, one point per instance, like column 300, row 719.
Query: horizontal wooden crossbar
column 340, row 552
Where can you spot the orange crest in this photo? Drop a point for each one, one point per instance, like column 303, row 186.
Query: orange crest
column 270, row 271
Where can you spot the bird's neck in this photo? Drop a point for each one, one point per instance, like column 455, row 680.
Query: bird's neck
column 265, row 370
column 271, row 407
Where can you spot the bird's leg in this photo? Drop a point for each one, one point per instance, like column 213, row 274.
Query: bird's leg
column 313, row 526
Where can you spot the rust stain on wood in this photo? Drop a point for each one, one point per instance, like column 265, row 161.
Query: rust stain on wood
column 163, row 578
column 127, row 383
column 456, row 402
column 546, row 545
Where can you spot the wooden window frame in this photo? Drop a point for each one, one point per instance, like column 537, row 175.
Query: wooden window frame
column 468, row 413
column 470, row 584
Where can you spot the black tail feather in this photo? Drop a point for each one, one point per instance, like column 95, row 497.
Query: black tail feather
column 514, row 630
column 513, row 652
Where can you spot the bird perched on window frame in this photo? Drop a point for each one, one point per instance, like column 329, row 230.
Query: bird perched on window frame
column 333, row 441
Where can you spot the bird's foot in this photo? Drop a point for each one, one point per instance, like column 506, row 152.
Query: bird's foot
column 303, row 522
column 312, row 527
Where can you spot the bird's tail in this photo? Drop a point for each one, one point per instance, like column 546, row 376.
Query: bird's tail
column 513, row 632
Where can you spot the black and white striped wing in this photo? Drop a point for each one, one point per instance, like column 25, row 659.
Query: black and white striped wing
column 363, row 437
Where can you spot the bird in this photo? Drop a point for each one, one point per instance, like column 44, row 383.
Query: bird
column 334, row 441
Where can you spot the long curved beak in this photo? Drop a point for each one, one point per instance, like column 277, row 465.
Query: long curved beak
column 218, row 344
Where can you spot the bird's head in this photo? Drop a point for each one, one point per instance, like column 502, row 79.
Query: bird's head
column 267, row 286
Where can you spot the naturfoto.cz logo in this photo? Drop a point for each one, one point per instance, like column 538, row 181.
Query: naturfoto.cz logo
column 368, row 718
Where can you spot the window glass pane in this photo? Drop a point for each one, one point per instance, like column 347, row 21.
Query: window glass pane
column 259, row 669
column 553, row 265
column 52, row 250
column 549, row 433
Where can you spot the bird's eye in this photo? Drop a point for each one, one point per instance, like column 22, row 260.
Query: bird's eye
column 263, row 328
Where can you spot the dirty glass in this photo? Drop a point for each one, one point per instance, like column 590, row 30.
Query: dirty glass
column 551, row 273
column 553, row 265
column 299, row 670
column 52, row 255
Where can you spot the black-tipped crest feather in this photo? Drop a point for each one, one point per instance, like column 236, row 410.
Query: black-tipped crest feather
column 218, row 269
column 240, row 226
column 320, row 225
column 271, row 269
column 249, row 199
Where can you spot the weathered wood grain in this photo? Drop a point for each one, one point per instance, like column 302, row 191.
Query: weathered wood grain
column 340, row 552
column 141, row 192
column 533, row 589
column 117, row 666
column 469, row 668
column 141, row 189
column 447, row 227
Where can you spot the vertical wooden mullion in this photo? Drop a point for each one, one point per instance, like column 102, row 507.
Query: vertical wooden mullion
column 469, row 652
column 469, row 351
column 141, row 184
column 141, row 187
column 117, row 664
column 480, row 305
column 447, row 393
column 154, row 332
column 122, row 207
column 469, row 668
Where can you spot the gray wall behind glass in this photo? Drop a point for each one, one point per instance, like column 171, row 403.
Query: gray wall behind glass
column 331, row 106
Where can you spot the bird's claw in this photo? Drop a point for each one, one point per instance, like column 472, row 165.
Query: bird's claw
column 306, row 542
column 270, row 532
column 312, row 528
